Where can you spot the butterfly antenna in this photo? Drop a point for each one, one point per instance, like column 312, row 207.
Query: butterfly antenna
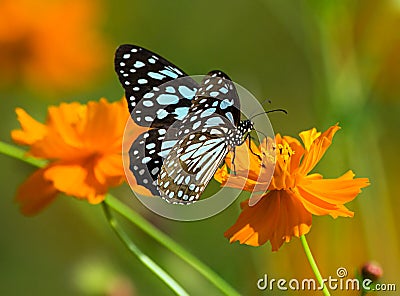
column 270, row 111
column 262, row 104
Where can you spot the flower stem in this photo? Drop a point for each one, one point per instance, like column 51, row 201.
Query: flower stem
column 20, row 154
column 170, row 244
column 147, row 261
column 314, row 266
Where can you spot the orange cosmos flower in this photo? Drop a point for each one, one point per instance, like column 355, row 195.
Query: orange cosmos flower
column 83, row 144
column 293, row 195
column 47, row 44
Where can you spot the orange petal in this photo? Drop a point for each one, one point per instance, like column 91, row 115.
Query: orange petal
column 245, row 160
column 298, row 151
column 317, row 206
column 99, row 116
column 277, row 217
column 221, row 175
column 62, row 140
column 335, row 191
column 66, row 121
column 108, row 166
column 31, row 130
column 308, row 137
column 317, row 149
column 35, row 193
column 249, row 174
column 75, row 180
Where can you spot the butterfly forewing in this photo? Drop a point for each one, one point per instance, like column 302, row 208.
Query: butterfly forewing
column 165, row 104
column 143, row 75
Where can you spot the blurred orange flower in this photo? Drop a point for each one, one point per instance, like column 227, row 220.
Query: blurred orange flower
column 83, row 144
column 293, row 194
column 48, row 44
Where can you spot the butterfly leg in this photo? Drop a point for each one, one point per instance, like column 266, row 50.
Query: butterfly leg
column 251, row 150
column 233, row 161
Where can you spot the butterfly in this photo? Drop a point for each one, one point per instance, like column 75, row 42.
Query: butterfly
column 192, row 126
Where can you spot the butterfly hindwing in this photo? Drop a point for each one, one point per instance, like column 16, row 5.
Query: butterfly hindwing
column 190, row 165
column 216, row 103
column 146, row 156
column 225, row 99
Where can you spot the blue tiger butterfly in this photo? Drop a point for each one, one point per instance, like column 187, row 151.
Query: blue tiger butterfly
column 192, row 126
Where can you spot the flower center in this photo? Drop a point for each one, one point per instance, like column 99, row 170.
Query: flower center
column 285, row 152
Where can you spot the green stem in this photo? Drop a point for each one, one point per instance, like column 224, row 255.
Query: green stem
column 170, row 244
column 20, row 154
column 147, row 261
column 140, row 222
column 314, row 266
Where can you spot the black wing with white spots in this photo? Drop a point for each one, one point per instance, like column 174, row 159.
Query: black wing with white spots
column 225, row 99
column 216, row 104
column 146, row 157
column 158, row 91
column 204, row 119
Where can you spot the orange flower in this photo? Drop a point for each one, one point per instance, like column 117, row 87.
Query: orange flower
column 293, row 194
column 83, row 144
column 48, row 43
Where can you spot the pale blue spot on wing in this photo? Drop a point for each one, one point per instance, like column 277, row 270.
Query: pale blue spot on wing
column 161, row 113
column 196, row 125
column 138, row 64
column 168, row 144
column 146, row 160
column 225, row 104
column 181, row 112
column 186, row 92
column 207, row 112
column 148, row 103
column 155, row 75
column 167, row 99
column 204, row 149
column 214, row 93
column 152, row 61
column 150, row 145
column 193, row 146
column 214, row 121
column 169, row 73
column 166, row 148
column 148, row 95
column 230, row 117
column 164, row 153
column 170, row 89
column 224, row 90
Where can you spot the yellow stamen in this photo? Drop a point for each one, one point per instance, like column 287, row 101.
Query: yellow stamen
column 285, row 151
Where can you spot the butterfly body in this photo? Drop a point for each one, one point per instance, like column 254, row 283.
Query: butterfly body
column 192, row 126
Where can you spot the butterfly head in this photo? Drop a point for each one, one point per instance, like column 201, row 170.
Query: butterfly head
column 244, row 127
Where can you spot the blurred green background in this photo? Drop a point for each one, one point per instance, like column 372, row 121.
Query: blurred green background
column 323, row 61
